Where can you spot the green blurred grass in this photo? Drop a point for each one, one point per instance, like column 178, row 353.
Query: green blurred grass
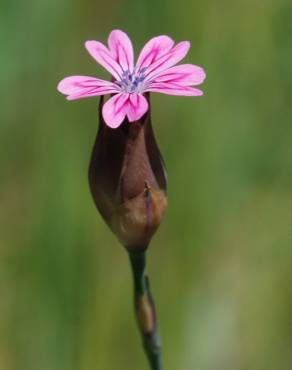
column 221, row 262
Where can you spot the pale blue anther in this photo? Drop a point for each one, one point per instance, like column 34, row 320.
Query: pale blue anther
column 132, row 82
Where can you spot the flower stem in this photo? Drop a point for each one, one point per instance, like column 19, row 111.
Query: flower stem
column 145, row 311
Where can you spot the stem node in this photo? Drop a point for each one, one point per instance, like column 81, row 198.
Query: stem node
column 145, row 310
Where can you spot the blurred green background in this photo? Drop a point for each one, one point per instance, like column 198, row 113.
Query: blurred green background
column 221, row 263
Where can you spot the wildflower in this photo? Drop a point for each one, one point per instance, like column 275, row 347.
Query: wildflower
column 155, row 71
column 127, row 175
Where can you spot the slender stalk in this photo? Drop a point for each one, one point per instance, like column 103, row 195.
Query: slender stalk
column 145, row 311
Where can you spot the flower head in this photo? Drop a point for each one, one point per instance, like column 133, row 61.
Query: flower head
column 154, row 71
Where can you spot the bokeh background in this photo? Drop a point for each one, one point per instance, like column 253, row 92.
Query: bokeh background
column 221, row 263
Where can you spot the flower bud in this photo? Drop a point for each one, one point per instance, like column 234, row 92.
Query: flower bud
column 128, row 180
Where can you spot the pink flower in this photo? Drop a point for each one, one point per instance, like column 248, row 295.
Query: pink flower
column 153, row 72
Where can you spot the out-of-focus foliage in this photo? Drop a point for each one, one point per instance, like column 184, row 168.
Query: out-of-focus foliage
column 221, row 262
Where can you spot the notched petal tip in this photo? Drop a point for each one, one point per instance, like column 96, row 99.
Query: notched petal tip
column 121, row 48
column 113, row 111
column 89, row 46
column 104, row 57
column 89, row 43
column 199, row 92
column 137, row 107
column 61, row 87
column 117, row 33
column 182, row 48
column 122, row 106
column 187, row 44
column 201, row 74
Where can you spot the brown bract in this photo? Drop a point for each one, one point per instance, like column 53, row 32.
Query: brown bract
column 128, row 180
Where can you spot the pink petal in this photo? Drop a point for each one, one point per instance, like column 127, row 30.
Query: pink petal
column 153, row 50
column 104, row 57
column 169, row 59
column 97, row 92
column 77, row 87
column 173, row 89
column 115, row 109
column 137, row 107
column 184, row 75
column 122, row 49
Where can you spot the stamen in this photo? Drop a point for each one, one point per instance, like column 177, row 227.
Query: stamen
column 132, row 82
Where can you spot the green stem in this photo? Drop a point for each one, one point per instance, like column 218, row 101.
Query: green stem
column 145, row 311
